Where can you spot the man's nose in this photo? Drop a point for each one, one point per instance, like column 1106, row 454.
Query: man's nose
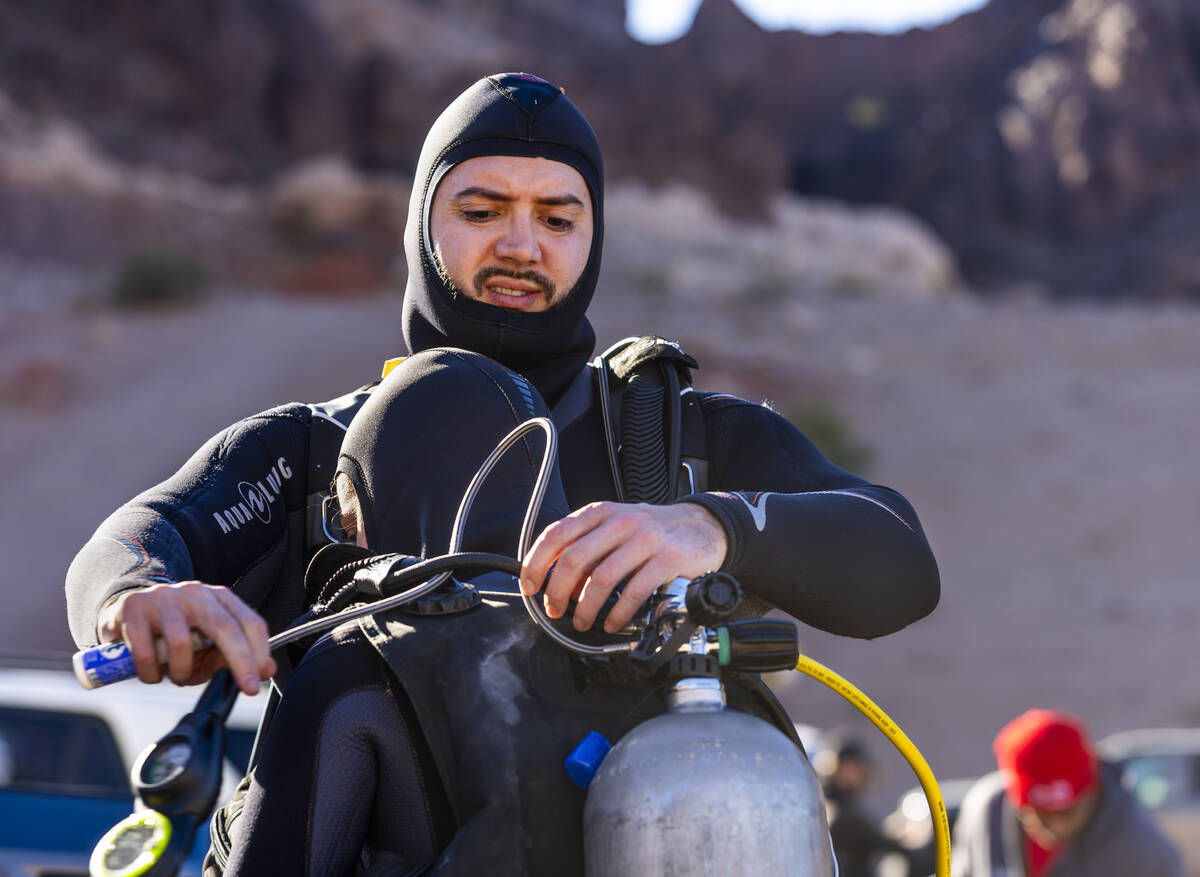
column 518, row 243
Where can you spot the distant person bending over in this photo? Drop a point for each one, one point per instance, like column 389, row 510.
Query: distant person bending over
column 1056, row 810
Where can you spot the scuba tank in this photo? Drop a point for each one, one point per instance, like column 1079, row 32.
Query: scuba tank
column 703, row 789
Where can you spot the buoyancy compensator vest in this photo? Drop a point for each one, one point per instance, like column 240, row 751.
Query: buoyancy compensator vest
column 501, row 707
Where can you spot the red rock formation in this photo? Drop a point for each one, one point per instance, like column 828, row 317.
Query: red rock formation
column 1054, row 139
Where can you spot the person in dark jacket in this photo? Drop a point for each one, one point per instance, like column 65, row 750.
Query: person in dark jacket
column 503, row 242
column 1054, row 809
column 858, row 841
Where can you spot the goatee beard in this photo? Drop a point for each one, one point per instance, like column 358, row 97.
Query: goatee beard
column 546, row 286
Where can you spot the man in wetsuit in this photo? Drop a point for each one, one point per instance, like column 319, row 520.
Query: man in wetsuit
column 503, row 243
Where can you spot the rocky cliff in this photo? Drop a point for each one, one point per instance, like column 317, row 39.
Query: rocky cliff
column 1052, row 140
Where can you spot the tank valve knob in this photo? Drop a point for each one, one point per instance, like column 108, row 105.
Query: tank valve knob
column 584, row 760
column 760, row 645
column 712, row 598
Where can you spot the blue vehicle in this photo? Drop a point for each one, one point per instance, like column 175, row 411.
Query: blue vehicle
column 65, row 757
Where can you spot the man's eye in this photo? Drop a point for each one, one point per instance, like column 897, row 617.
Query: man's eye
column 478, row 215
column 558, row 223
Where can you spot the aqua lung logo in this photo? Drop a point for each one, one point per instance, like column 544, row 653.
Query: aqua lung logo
column 257, row 498
column 253, row 497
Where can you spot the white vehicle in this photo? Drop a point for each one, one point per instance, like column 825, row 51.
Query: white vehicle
column 66, row 754
column 1161, row 766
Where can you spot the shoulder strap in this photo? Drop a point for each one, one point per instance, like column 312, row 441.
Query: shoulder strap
column 658, row 448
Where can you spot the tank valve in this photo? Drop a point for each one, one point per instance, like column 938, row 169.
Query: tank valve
column 712, row 598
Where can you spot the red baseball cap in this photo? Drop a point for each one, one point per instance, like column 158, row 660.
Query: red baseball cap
column 1047, row 759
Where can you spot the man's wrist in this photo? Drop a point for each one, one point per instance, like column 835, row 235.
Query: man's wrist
column 714, row 515
column 109, row 605
column 107, row 608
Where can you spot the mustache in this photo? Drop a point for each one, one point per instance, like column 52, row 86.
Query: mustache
column 543, row 283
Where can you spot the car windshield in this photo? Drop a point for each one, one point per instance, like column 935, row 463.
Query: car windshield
column 59, row 752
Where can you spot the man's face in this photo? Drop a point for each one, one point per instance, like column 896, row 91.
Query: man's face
column 512, row 232
column 1057, row 828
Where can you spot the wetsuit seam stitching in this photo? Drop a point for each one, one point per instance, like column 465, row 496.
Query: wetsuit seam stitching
column 530, row 115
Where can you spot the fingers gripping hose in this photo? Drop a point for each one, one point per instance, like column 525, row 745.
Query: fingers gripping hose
column 864, row 704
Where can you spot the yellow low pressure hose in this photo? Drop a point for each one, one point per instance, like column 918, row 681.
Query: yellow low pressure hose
column 868, row 707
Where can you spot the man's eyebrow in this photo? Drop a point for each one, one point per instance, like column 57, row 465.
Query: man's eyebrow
column 492, row 195
column 560, row 201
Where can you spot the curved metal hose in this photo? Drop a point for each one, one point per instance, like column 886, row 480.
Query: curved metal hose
column 446, row 564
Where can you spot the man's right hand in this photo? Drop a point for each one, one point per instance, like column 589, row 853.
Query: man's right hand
column 171, row 613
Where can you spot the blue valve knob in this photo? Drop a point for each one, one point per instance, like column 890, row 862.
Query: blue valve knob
column 584, row 760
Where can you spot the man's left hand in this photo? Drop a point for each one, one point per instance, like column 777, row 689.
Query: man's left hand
column 595, row 548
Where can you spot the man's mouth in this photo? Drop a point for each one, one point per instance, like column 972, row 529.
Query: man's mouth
column 514, row 289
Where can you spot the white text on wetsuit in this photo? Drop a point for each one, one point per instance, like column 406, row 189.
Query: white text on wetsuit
column 256, row 498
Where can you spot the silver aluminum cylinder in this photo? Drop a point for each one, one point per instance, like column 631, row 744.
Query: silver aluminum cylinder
column 706, row 792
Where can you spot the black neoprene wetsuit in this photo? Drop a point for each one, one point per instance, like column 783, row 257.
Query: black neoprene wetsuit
column 795, row 523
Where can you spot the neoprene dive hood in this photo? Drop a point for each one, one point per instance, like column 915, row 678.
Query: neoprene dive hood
column 512, row 114
column 460, row 404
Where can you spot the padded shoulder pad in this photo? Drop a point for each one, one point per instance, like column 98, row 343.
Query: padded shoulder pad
column 645, row 349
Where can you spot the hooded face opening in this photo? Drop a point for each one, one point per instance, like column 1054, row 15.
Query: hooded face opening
column 516, row 116
column 513, row 232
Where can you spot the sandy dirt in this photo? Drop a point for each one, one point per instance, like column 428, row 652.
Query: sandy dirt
column 1051, row 452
